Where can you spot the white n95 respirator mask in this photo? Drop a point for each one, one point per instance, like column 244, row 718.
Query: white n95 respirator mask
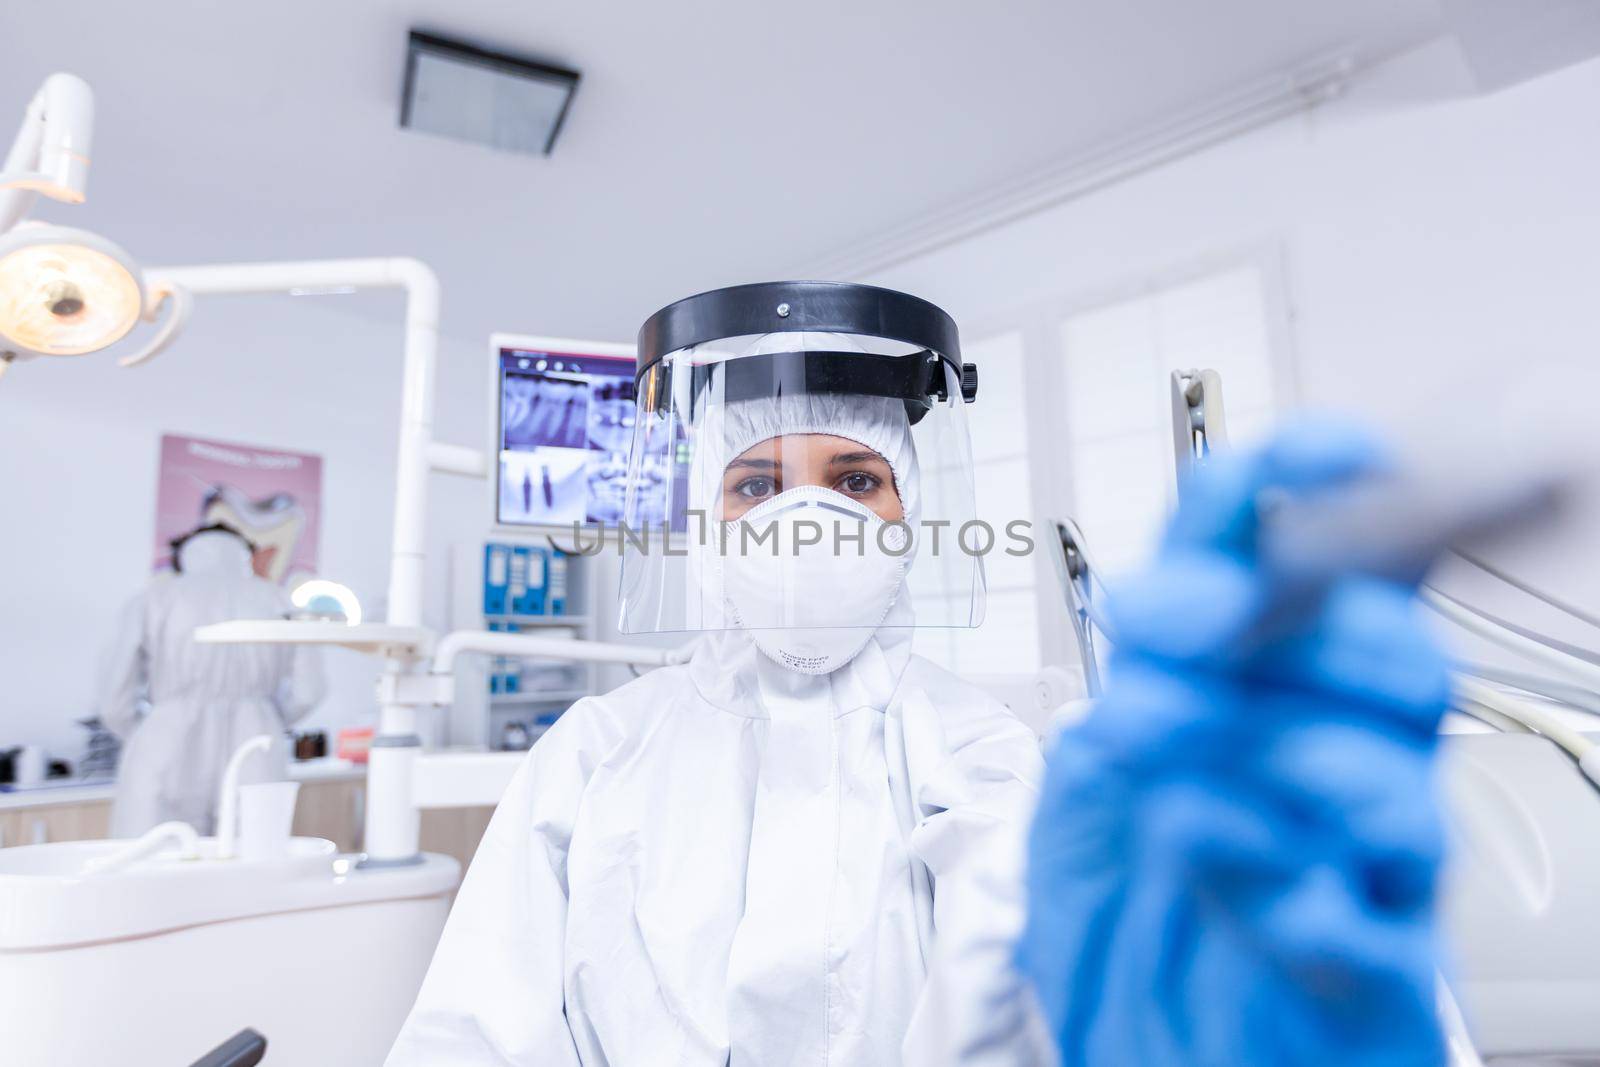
column 812, row 574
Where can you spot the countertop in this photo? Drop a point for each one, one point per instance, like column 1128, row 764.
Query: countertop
column 73, row 791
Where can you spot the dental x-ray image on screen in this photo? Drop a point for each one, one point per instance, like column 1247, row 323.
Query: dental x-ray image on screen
column 566, row 424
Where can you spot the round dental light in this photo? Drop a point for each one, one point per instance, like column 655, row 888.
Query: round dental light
column 318, row 598
column 65, row 292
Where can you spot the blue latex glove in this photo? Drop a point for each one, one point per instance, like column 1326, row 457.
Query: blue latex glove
column 1235, row 854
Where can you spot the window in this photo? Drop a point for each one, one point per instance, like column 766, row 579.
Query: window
column 1119, row 359
column 1008, row 641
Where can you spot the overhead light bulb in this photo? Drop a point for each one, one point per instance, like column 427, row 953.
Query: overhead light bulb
column 65, row 292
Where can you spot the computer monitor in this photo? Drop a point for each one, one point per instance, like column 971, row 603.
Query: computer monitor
column 564, row 426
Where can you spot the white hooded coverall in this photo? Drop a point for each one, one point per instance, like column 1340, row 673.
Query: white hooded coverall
column 731, row 862
column 204, row 700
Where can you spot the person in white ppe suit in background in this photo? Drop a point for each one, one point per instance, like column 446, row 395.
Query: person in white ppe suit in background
column 803, row 846
column 182, row 708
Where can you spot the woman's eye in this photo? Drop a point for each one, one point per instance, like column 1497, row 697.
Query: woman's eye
column 859, row 483
column 754, row 488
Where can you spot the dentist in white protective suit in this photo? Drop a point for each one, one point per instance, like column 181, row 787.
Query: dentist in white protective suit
column 803, row 846
column 182, row 708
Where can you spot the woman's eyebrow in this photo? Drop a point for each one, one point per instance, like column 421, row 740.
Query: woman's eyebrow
column 754, row 464
column 864, row 456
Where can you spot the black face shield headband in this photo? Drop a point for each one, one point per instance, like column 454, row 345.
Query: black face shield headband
column 919, row 380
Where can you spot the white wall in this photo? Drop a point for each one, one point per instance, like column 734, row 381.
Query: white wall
column 78, row 465
column 1440, row 251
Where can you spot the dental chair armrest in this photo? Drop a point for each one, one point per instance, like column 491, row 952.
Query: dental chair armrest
column 244, row 1049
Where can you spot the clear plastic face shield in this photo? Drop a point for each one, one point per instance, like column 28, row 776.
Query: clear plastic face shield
column 801, row 462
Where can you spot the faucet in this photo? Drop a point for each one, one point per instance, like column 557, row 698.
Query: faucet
column 228, row 795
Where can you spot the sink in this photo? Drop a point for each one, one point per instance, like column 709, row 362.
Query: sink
column 322, row 957
column 66, row 860
column 46, row 901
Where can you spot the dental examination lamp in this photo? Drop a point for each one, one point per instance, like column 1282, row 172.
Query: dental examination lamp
column 66, row 292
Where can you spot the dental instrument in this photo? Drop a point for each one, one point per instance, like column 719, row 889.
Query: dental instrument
column 1199, row 422
column 1079, row 577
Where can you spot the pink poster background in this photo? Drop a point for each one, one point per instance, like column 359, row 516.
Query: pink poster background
column 271, row 496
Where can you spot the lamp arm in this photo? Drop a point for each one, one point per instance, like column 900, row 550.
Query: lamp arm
column 16, row 203
column 50, row 153
column 160, row 291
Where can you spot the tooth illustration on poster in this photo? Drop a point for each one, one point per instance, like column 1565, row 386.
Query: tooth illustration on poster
column 272, row 496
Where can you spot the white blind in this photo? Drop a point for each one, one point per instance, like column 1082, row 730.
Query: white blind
column 1119, row 358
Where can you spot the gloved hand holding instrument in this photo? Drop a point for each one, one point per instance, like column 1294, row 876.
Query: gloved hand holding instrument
column 1235, row 854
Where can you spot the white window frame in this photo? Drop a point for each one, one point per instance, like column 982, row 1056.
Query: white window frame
column 1039, row 318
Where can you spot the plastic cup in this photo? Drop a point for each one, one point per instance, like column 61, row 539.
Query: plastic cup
column 266, row 813
column 30, row 766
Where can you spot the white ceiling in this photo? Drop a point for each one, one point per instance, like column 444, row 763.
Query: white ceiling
column 711, row 141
